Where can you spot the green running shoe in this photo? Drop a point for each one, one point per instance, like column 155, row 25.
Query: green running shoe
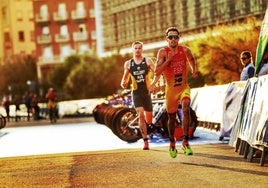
column 173, row 152
column 187, row 150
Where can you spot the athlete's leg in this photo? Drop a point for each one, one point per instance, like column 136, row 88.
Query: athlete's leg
column 185, row 123
column 143, row 128
column 142, row 124
column 171, row 125
column 148, row 117
column 186, row 116
column 171, row 107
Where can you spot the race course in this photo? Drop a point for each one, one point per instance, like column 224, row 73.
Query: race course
column 81, row 153
column 72, row 135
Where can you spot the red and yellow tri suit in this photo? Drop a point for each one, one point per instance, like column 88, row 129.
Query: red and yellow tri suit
column 175, row 74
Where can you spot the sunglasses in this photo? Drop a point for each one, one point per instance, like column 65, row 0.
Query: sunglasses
column 170, row 37
column 244, row 58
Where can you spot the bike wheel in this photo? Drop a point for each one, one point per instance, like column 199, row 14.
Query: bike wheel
column 126, row 125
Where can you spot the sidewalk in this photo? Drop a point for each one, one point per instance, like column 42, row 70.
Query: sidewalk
column 32, row 122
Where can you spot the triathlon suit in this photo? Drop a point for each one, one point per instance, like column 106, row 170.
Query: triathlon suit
column 175, row 74
column 140, row 80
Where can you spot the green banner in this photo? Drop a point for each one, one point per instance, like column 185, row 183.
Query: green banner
column 262, row 43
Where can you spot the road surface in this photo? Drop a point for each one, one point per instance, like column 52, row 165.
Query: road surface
column 86, row 154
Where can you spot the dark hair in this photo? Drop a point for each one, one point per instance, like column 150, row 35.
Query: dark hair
column 246, row 53
column 172, row 29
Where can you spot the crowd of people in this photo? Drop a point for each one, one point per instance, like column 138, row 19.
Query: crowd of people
column 32, row 104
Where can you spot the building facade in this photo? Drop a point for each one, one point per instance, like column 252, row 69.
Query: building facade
column 16, row 30
column 124, row 21
column 62, row 28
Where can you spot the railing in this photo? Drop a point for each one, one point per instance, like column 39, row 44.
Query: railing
column 44, row 39
column 60, row 17
column 62, row 38
column 80, row 36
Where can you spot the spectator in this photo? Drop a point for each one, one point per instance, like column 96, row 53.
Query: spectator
column 35, row 107
column 6, row 104
column 17, row 102
column 249, row 69
column 27, row 102
column 51, row 97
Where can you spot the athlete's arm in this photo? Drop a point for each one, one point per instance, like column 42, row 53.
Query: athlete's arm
column 150, row 64
column 160, row 66
column 126, row 75
column 191, row 61
column 163, row 60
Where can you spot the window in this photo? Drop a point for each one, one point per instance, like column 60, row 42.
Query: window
column 64, row 30
column 82, row 28
column 45, row 30
column 62, row 10
column 21, row 36
column 92, row 13
column 44, row 12
column 19, row 15
column 30, row 15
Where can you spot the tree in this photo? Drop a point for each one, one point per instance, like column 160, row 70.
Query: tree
column 14, row 76
column 96, row 77
column 218, row 52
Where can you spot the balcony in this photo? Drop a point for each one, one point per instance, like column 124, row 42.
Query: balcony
column 60, row 17
column 42, row 19
column 53, row 59
column 44, row 39
column 80, row 36
column 62, row 38
column 78, row 16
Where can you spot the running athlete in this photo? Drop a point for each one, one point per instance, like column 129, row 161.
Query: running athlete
column 172, row 63
column 138, row 69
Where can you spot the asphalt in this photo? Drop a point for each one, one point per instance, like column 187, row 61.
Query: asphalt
column 212, row 165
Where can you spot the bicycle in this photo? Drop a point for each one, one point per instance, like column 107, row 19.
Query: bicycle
column 122, row 119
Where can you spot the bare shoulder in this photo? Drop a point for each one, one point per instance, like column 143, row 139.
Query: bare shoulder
column 187, row 50
column 161, row 52
column 148, row 60
column 127, row 64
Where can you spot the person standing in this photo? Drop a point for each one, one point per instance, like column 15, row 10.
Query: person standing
column 138, row 69
column 249, row 69
column 51, row 97
column 6, row 104
column 172, row 63
column 27, row 102
column 17, row 102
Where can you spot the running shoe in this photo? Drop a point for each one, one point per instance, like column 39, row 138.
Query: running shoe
column 146, row 145
column 173, row 152
column 187, row 150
